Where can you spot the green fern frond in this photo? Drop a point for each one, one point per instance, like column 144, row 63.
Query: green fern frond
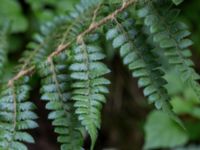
column 61, row 30
column 73, row 83
column 141, row 61
column 56, row 91
column 89, row 86
column 79, row 19
column 44, row 42
column 16, row 116
column 172, row 37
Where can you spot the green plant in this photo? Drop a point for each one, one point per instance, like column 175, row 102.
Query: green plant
column 67, row 55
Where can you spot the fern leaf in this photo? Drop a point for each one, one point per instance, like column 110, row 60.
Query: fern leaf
column 56, row 91
column 16, row 116
column 172, row 36
column 44, row 42
column 61, row 29
column 141, row 61
column 89, row 86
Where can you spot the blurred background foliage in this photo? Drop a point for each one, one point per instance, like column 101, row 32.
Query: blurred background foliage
column 128, row 121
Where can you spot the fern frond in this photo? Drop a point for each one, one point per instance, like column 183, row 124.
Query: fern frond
column 16, row 116
column 61, row 30
column 44, row 42
column 79, row 19
column 141, row 61
column 56, row 91
column 172, row 37
column 89, row 86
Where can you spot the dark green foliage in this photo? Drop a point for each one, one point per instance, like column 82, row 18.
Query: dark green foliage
column 62, row 29
column 89, row 86
column 171, row 36
column 44, row 43
column 141, row 61
column 16, row 116
column 68, row 56
column 56, row 91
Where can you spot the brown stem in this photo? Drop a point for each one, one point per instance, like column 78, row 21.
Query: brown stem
column 93, row 26
column 20, row 74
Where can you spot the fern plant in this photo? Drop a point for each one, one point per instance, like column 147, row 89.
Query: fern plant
column 16, row 115
column 56, row 90
column 171, row 36
column 89, row 86
column 68, row 56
